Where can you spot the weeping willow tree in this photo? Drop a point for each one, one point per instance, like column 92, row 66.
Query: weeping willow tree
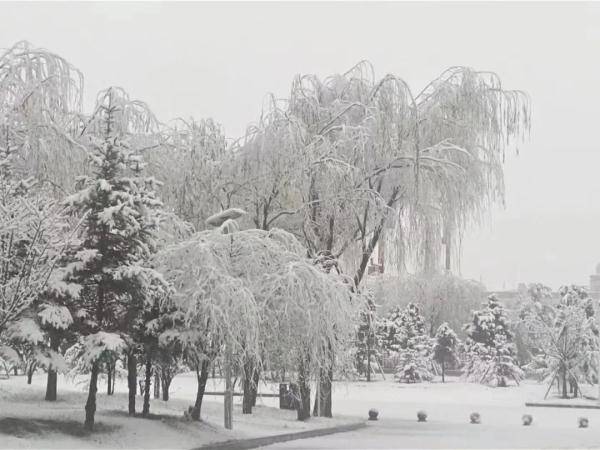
column 193, row 163
column 468, row 119
column 266, row 166
column 40, row 104
column 372, row 156
column 376, row 163
column 244, row 290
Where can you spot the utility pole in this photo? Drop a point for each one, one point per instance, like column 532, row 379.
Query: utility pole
column 226, row 220
column 228, row 397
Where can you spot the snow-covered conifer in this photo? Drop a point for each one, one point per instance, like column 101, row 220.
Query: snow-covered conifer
column 491, row 354
column 117, row 236
column 444, row 349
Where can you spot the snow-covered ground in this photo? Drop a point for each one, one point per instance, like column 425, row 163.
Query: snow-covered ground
column 448, row 407
column 27, row 421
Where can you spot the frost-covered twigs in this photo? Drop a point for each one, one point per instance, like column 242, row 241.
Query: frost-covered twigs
column 33, row 230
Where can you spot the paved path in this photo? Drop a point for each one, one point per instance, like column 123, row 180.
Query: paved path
column 402, row 434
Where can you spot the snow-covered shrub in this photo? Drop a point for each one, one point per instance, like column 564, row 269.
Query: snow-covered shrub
column 490, row 353
column 422, row 416
column 415, row 363
column 475, row 418
column 444, row 349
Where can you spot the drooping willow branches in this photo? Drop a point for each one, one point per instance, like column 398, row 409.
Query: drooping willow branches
column 253, row 289
column 371, row 157
column 40, row 107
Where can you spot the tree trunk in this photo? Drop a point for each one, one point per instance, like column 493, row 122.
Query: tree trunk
column 51, row 385
column 256, row 379
column 247, row 386
column 201, row 376
column 448, row 247
column 443, row 371
column 52, row 377
column 132, row 381
column 304, row 393
column 326, row 388
column 90, row 405
column 15, row 370
column 165, row 379
column 156, row 384
column 108, row 379
column 368, row 357
column 147, row 382
column 228, row 398
column 564, row 383
column 30, row 371
column 324, row 409
column 370, row 247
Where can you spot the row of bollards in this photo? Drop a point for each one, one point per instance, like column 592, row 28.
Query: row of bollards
column 475, row 418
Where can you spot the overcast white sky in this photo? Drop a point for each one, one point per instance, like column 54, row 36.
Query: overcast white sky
column 219, row 60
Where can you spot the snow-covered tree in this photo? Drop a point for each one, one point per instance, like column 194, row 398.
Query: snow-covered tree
column 491, row 355
column 367, row 342
column 40, row 95
column 117, row 235
column 367, row 147
column 192, row 161
column 40, row 103
column 444, row 349
column 414, row 346
column 564, row 337
column 536, row 300
column 34, row 233
column 389, row 331
column 265, row 168
column 441, row 297
column 370, row 159
column 224, row 284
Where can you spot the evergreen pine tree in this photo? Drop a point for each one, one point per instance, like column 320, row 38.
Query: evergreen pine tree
column 444, row 350
column 116, row 238
column 490, row 350
column 406, row 335
column 389, row 333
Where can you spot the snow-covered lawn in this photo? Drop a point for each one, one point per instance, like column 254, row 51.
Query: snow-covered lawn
column 27, row 421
